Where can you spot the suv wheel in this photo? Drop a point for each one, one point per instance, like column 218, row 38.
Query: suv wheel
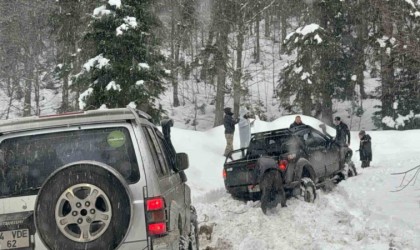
column 308, row 189
column 83, row 206
column 193, row 237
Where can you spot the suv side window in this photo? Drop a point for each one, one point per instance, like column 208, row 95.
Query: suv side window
column 158, row 157
column 169, row 157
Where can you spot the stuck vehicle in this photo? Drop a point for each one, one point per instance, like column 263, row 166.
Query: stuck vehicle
column 102, row 179
column 307, row 158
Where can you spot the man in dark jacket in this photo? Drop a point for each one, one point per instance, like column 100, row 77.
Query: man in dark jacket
column 268, row 175
column 365, row 149
column 297, row 122
column 229, row 123
column 342, row 136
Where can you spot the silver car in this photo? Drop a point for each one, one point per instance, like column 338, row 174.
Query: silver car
column 103, row 179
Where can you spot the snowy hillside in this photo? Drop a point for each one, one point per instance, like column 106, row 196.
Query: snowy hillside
column 360, row 213
column 261, row 82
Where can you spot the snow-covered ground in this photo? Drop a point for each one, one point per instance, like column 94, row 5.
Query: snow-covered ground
column 360, row 213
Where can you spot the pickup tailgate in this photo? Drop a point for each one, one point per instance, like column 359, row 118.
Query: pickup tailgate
column 239, row 173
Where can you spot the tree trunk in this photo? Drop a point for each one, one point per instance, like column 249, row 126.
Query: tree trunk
column 257, row 37
column 387, row 72
column 238, row 72
column 221, row 68
column 267, row 23
column 175, row 47
column 37, row 94
column 283, row 21
column 28, row 89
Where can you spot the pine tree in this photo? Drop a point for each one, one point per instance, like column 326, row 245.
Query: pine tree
column 128, row 67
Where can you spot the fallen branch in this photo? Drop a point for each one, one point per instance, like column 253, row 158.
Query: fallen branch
column 413, row 179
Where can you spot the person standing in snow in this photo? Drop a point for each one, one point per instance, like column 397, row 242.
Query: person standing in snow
column 229, row 123
column 297, row 122
column 244, row 128
column 365, row 149
column 342, row 136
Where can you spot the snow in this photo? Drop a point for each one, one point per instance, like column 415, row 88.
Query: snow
column 82, row 97
column 101, row 11
column 144, row 66
column 97, row 62
column 410, row 2
column 141, row 82
column 116, row 3
column 129, row 22
column 103, row 107
column 354, row 78
column 305, row 75
column 132, row 105
column 359, row 213
column 310, row 28
column 318, row 39
column 112, row 85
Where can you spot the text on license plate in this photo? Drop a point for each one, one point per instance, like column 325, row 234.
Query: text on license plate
column 14, row 239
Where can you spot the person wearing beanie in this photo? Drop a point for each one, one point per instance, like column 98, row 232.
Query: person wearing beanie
column 365, row 149
column 229, row 122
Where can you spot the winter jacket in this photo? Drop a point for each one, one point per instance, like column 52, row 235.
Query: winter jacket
column 365, row 149
column 264, row 163
column 229, row 123
column 244, row 130
column 342, row 134
column 294, row 124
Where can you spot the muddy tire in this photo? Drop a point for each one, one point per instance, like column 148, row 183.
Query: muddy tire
column 308, row 189
column 351, row 170
column 83, row 206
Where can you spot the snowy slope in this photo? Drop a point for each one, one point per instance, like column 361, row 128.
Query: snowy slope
column 360, row 213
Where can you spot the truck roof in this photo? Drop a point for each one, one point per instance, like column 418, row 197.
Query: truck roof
column 71, row 119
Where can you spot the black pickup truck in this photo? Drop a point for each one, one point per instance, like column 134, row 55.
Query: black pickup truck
column 308, row 159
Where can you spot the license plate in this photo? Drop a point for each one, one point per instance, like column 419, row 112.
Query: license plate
column 14, row 239
column 254, row 189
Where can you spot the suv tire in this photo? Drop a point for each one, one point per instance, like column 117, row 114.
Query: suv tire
column 83, row 206
column 193, row 237
column 308, row 189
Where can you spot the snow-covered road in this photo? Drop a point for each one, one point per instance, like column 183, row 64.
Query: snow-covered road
column 360, row 213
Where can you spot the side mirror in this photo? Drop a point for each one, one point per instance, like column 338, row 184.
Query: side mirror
column 182, row 161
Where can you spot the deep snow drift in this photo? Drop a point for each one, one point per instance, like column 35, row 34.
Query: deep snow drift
column 360, row 213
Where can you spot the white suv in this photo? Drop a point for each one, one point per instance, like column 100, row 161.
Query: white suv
column 102, row 179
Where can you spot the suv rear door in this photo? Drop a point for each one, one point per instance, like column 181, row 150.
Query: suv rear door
column 171, row 185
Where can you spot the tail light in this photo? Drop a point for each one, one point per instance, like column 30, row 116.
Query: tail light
column 224, row 174
column 283, row 165
column 156, row 216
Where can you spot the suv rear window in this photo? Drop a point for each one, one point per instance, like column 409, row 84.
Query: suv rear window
column 25, row 162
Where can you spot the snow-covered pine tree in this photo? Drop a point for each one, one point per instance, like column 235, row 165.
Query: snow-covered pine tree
column 128, row 66
column 397, row 44
column 320, row 71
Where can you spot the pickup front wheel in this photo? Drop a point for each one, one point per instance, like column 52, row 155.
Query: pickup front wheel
column 308, row 189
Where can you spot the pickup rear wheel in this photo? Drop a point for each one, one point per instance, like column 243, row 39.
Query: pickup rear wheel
column 351, row 169
column 308, row 189
column 83, row 206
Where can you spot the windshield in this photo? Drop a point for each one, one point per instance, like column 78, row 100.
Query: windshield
column 26, row 162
